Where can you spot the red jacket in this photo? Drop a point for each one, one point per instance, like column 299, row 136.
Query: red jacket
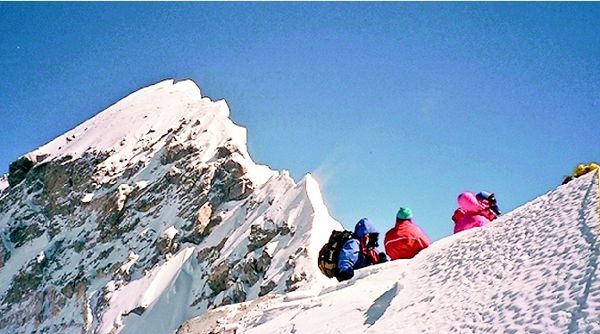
column 405, row 240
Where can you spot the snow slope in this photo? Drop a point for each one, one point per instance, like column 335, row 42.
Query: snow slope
column 534, row 270
column 3, row 183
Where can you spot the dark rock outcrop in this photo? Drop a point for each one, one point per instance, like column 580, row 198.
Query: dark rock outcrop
column 4, row 254
column 17, row 171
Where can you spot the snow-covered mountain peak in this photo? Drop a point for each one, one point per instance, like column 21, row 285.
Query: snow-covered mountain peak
column 151, row 206
column 165, row 115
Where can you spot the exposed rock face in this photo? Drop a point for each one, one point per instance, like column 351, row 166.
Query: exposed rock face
column 4, row 254
column 18, row 170
column 106, row 219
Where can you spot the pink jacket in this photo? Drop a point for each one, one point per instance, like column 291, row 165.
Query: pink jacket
column 471, row 213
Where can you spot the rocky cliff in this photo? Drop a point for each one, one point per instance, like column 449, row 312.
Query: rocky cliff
column 152, row 205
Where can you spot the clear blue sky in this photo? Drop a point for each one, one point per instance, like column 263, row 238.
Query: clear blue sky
column 387, row 104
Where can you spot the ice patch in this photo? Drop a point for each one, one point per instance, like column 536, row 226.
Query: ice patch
column 40, row 257
column 87, row 198
column 132, row 258
column 170, row 232
column 124, row 191
column 3, row 182
column 141, row 185
column 174, row 171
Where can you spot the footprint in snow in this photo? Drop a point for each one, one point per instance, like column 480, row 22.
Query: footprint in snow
column 380, row 305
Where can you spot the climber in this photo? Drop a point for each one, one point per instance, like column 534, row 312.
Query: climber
column 580, row 170
column 360, row 251
column 471, row 213
column 405, row 239
column 489, row 201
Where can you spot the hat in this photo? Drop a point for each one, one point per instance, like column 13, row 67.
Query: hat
column 364, row 227
column 483, row 195
column 404, row 213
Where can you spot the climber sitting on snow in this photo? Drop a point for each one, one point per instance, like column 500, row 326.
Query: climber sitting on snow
column 405, row 239
column 580, row 170
column 360, row 251
column 471, row 212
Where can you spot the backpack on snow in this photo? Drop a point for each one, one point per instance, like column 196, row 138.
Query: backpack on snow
column 330, row 252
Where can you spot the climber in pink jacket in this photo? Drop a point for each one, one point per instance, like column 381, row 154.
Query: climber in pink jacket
column 471, row 213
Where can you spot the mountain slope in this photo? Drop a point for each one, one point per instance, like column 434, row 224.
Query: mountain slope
column 153, row 203
column 535, row 270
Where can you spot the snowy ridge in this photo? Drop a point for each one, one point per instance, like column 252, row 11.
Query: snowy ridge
column 306, row 225
column 152, row 213
column 151, row 208
column 141, row 293
column 535, row 270
column 135, row 128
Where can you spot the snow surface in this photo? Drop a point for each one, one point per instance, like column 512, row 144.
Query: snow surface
column 3, row 182
column 534, row 270
column 141, row 293
column 170, row 232
column 87, row 198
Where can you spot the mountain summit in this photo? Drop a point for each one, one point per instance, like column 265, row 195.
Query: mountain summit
column 151, row 217
column 152, row 207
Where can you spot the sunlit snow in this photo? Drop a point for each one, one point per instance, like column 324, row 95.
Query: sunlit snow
column 535, row 270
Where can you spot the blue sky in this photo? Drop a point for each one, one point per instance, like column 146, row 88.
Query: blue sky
column 387, row 104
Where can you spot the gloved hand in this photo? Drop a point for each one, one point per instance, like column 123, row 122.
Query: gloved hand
column 383, row 258
column 496, row 210
column 373, row 240
column 345, row 275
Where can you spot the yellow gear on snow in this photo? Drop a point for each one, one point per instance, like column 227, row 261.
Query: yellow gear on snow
column 584, row 169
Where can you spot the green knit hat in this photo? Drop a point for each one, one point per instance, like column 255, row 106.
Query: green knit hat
column 404, row 213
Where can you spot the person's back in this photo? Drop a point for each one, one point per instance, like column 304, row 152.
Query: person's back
column 472, row 213
column 405, row 239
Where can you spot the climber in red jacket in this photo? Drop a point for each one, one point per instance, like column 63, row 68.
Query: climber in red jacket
column 405, row 239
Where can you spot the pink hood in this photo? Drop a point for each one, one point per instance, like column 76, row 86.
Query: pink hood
column 473, row 210
column 468, row 202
